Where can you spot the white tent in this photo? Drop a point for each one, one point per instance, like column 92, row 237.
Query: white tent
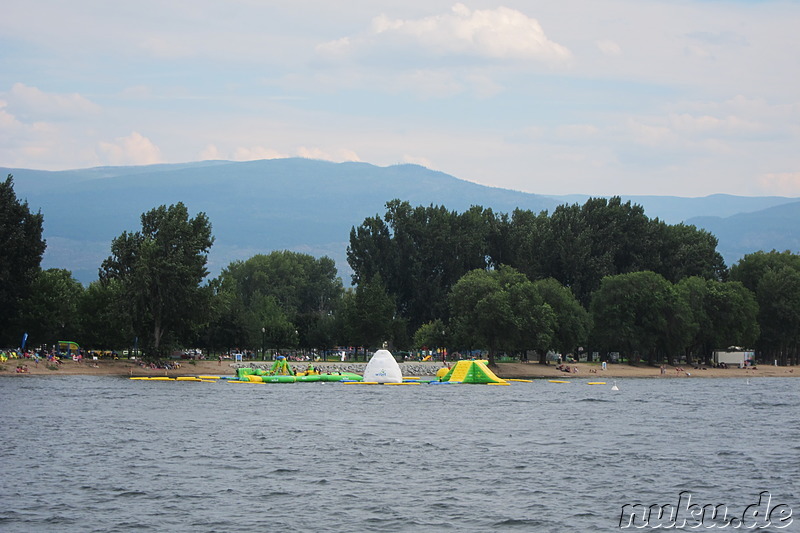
column 382, row 368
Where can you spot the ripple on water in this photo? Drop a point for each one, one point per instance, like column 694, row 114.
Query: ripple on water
column 106, row 454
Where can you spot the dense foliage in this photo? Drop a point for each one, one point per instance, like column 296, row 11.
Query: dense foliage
column 500, row 309
column 594, row 278
column 774, row 278
column 422, row 252
column 159, row 270
column 22, row 248
column 275, row 301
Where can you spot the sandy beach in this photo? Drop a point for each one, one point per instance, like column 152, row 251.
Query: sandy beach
column 505, row 370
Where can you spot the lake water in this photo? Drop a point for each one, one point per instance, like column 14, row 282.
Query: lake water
column 110, row 454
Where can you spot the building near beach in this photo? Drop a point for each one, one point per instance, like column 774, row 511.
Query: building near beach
column 735, row 357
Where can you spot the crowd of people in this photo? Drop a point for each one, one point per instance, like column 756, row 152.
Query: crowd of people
column 163, row 365
column 566, row 368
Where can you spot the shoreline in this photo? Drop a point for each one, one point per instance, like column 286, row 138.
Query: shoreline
column 593, row 371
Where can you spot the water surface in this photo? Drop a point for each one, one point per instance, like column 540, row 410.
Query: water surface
column 84, row 453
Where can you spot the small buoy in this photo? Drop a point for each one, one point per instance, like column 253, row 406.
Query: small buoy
column 615, row 386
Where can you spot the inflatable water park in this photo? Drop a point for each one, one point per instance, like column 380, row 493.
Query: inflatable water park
column 382, row 369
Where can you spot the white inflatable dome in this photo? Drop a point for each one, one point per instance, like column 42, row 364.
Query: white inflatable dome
column 382, row 368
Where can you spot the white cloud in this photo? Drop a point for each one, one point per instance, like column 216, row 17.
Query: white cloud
column 609, row 48
column 337, row 156
column 785, row 183
column 654, row 93
column 712, row 131
column 22, row 142
column 210, row 153
column 134, row 149
column 649, row 134
column 7, row 120
column 728, row 126
column 34, row 103
column 255, row 153
column 499, row 33
column 349, row 155
column 418, row 160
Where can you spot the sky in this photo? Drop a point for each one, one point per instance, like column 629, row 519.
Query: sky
column 602, row 97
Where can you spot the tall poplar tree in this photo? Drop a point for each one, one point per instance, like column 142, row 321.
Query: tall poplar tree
column 160, row 269
column 22, row 248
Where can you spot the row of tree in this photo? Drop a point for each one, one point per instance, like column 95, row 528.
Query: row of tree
column 421, row 252
column 641, row 286
column 599, row 275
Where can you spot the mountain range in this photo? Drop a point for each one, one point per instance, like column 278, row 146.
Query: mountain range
column 310, row 206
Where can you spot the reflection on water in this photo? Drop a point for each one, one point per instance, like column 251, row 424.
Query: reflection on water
column 110, row 454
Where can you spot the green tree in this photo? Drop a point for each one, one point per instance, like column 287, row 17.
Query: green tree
column 160, row 269
column 693, row 292
column 573, row 322
column 279, row 330
column 773, row 277
column 500, row 309
column 578, row 245
column 103, row 327
column 51, row 313
column 638, row 313
column 732, row 311
column 282, row 291
column 779, row 303
column 420, row 253
column 527, row 237
column 368, row 315
column 683, row 251
column 228, row 324
column 22, row 248
column 582, row 244
column 431, row 335
column 751, row 269
column 320, row 332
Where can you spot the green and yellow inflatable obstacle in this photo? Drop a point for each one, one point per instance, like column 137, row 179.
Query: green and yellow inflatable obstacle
column 472, row 372
column 256, row 375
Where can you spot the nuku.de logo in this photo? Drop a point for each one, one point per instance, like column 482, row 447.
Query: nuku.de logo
column 694, row 516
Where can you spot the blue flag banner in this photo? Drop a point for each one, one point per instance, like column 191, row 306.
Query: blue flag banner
column 24, row 340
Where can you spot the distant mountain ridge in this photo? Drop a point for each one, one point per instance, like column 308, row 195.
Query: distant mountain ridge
column 310, row 206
